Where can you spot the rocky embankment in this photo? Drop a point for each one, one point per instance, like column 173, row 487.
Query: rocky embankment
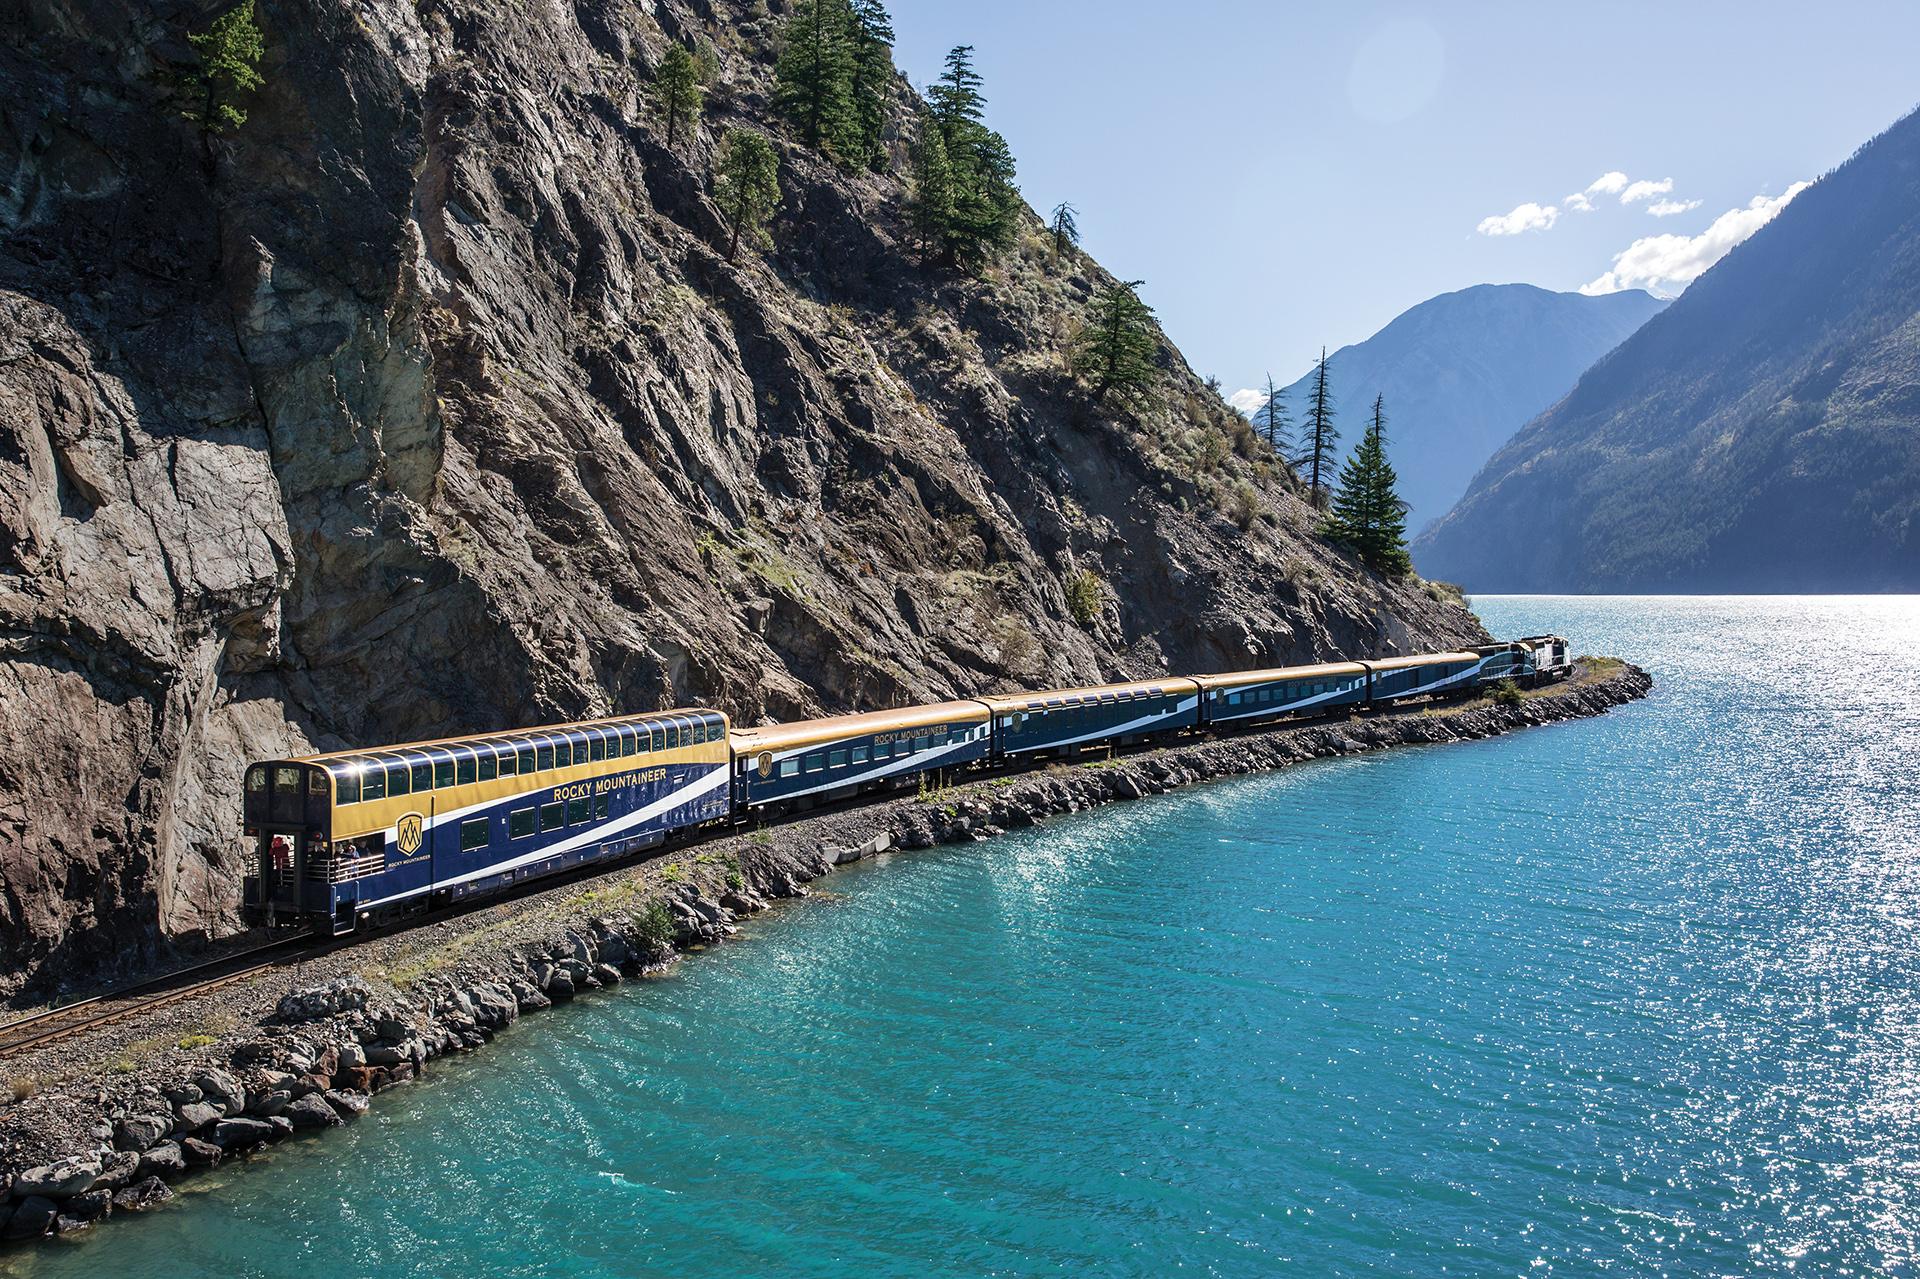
column 104, row 1125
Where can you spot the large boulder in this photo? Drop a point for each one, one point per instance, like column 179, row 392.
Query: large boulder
column 33, row 1218
column 140, row 1132
column 197, row 1115
column 116, row 1170
column 348, row 1103
column 200, row 1153
column 312, row 1111
column 222, row 1091
column 530, row 997
column 70, row 1176
column 83, row 1210
column 242, row 1134
column 310, row 1003
column 142, row 1195
column 165, row 1159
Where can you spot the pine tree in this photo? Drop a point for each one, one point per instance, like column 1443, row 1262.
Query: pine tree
column 986, row 203
column 230, row 51
column 872, row 75
column 746, row 186
column 1318, row 436
column 932, row 204
column 1273, row 423
column 956, row 98
column 1066, row 230
column 813, row 77
column 677, row 90
column 1368, row 514
column 1117, row 349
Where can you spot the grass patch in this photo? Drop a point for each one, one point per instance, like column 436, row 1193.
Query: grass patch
column 199, row 1040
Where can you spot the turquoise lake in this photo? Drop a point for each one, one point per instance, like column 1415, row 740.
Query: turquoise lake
column 1637, row 995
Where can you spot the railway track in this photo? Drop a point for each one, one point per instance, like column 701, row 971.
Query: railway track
column 41, row 1029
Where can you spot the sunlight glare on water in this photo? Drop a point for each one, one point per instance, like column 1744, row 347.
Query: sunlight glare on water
column 1637, row 995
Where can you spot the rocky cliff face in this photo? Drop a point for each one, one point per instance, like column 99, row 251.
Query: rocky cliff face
column 428, row 402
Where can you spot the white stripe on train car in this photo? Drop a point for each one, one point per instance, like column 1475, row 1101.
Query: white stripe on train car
column 1444, row 680
column 1287, row 708
column 1119, row 730
column 917, row 759
column 592, row 835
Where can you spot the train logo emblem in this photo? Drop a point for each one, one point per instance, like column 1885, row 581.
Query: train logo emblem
column 408, row 832
column 765, row 763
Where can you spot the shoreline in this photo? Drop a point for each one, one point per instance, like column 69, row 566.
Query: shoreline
column 103, row 1123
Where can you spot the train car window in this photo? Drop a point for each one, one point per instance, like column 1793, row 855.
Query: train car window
column 473, row 834
column 442, row 772
column 256, row 781
column 347, row 792
column 520, row 823
column 546, row 759
column 528, row 761
column 563, row 754
column 597, row 748
column 553, row 816
column 397, row 779
column 579, row 810
column 859, row 754
column 602, row 806
column 509, row 761
column 1233, row 699
column 489, row 766
column 464, row 768
column 422, row 776
column 373, row 784
column 317, row 782
column 836, row 759
column 789, row 767
column 628, row 737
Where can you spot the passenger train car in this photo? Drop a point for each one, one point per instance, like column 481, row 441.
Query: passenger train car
column 358, row 838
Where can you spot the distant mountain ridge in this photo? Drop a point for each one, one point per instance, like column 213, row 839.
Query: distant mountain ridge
column 1761, row 434
column 1463, row 371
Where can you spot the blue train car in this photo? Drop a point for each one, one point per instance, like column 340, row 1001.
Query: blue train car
column 1253, row 697
column 363, row 836
column 821, row 759
column 1060, row 720
column 1392, row 679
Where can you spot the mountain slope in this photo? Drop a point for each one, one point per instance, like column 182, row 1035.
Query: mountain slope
column 1761, row 434
column 1463, row 371
column 429, row 402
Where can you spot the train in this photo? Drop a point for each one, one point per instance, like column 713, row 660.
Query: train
column 359, row 839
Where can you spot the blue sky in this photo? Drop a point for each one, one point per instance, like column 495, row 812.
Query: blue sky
column 1283, row 175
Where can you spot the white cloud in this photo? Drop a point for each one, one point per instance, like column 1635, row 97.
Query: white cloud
column 1247, row 399
column 1644, row 189
column 1540, row 217
column 1667, row 208
column 1668, row 263
column 1527, row 217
